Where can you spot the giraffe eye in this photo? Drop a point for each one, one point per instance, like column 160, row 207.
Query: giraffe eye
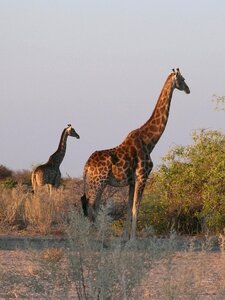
column 180, row 80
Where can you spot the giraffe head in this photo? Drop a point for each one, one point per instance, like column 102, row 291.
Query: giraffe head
column 179, row 81
column 71, row 131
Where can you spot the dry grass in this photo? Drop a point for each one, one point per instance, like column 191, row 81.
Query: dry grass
column 52, row 255
column 42, row 209
column 188, row 275
column 38, row 213
column 96, row 264
column 42, row 213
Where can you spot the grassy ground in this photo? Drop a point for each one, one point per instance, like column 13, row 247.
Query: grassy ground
column 148, row 269
column 94, row 262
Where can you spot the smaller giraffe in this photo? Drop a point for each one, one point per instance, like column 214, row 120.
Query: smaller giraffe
column 49, row 173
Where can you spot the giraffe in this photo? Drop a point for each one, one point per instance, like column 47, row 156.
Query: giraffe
column 49, row 173
column 129, row 164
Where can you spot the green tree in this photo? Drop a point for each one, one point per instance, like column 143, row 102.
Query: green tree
column 187, row 192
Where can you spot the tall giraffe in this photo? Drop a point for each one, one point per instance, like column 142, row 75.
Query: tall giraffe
column 49, row 173
column 130, row 162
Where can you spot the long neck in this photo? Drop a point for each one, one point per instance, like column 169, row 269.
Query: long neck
column 152, row 130
column 57, row 157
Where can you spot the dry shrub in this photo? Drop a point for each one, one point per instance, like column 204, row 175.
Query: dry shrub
column 100, row 265
column 44, row 209
column 96, row 265
column 45, row 213
column 12, row 204
column 41, row 212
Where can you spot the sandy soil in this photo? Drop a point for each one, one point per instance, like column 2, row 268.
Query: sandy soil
column 182, row 275
column 194, row 275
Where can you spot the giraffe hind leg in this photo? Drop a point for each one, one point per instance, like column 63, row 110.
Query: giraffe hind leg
column 91, row 202
column 88, row 210
column 127, row 228
column 84, row 203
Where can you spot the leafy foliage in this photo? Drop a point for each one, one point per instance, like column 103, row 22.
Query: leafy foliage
column 9, row 179
column 187, row 192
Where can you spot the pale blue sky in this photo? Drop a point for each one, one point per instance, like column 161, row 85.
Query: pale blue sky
column 100, row 65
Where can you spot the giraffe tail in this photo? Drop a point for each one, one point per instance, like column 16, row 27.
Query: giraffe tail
column 84, row 202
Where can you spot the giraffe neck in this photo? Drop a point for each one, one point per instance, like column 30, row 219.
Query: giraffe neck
column 57, row 157
column 152, row 130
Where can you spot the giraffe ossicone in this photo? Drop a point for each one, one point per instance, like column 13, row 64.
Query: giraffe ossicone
column 49, row 173
column 129, row 164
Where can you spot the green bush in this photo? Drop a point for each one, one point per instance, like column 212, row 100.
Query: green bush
column 5, row 172
column 8, row 183
column 187, row 192
column 9, row 179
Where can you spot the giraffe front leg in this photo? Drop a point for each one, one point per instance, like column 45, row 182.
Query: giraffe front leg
column 142, row 175
column 139, row 187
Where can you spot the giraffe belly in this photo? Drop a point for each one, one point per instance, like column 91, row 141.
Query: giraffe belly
column 120, row 177
column 118, row 183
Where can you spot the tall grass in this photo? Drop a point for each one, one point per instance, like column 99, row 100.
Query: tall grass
column 47, row 213
column 41, row 212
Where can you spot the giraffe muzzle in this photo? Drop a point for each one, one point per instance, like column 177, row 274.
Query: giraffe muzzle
column 187, row 90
